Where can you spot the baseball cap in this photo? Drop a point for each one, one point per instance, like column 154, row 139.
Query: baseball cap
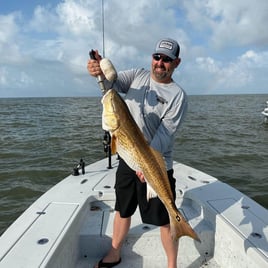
column 168, row 47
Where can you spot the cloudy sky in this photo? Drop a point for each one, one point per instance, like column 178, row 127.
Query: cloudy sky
column 44, row 44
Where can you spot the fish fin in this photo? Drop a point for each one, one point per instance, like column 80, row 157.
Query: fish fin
column 179, row 227
column 150, row 192
column 113, row 144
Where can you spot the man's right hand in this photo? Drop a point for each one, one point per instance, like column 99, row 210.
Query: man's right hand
column 93, row 65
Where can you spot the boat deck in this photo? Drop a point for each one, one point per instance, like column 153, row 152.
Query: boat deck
column 141, row 242
column 71, row 225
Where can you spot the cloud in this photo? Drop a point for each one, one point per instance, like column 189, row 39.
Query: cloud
column 223, row 44
column 10, row 38
column 242, row 22
column 76, row 18
column 232, row 76
column 237, row 76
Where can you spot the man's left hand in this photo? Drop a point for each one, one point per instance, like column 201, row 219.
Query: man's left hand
column 140, row 176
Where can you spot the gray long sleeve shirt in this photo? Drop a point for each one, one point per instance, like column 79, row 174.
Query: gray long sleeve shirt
column 157, row 108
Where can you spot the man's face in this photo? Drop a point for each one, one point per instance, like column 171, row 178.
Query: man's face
column 163, row 67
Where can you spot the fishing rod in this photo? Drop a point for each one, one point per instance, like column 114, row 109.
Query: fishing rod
column 110, row 74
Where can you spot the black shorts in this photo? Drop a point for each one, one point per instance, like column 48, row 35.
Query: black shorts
column 131, row 192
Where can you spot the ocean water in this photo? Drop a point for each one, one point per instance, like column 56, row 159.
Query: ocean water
column 42, row 139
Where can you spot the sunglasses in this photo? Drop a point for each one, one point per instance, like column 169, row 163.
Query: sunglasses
column 158, row 57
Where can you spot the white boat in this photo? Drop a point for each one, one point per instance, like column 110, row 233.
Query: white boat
column 71, row 225
column 265, row 111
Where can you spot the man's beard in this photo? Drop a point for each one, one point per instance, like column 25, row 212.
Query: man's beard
column 161, row 75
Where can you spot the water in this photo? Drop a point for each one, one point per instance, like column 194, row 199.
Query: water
column 42, row 139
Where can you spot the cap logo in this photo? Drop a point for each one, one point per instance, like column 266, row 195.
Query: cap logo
column 166, row 44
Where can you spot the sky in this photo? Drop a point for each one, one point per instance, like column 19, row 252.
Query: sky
column 44, row 45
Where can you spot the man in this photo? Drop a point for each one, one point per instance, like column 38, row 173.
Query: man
column 158, row 105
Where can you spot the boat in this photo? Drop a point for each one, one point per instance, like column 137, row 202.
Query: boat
column 265, row 112
column 70, row 225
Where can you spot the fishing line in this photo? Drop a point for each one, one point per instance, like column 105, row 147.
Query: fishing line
column 103, row 28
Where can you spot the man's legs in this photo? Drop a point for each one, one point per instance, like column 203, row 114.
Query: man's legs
column 126, row 203
column 170, row 246
column 120, row 229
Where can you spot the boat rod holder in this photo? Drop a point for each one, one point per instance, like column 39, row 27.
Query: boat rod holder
column 81, row 166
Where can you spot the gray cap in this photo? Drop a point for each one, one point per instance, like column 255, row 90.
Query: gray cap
column 168, row 47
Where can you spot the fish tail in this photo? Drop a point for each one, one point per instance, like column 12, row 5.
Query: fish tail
column 179, row 227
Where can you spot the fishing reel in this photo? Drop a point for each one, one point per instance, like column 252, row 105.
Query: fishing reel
column 106, row 142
